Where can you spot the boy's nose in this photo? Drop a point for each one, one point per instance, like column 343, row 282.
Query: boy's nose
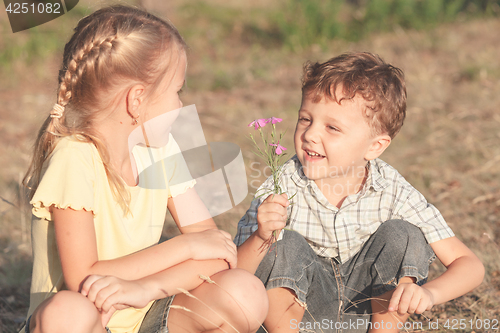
column 311, row 135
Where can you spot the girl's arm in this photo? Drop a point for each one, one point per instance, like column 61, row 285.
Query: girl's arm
column 190, row 213
column 464, row 273
column 109, row 291
column 76, row 241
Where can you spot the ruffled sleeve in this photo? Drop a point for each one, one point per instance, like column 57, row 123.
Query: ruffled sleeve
column 68, row 180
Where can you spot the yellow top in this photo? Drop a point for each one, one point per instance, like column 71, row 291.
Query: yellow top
column 74, row 176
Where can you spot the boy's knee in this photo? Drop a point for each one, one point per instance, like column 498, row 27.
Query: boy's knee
column 400, row 232
column 293, row 242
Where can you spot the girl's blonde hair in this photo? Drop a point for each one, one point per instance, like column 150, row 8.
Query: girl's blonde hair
column 112, row 47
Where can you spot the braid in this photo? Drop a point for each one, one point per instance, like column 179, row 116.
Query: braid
column 113, row 43
column 84, row 59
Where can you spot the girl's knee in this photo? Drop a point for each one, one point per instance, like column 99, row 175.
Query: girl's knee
column 64, row 310
column 247, row 292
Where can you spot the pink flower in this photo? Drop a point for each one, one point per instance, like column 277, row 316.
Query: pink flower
column 258, row 123
column 274, row 120
column 279, row 148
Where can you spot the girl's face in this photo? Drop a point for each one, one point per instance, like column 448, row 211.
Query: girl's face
column 167, row 96
column 165, row 105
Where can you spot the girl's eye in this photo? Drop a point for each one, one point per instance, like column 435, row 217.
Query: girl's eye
column 333, row 128
column 180, row 92
column 304, row 120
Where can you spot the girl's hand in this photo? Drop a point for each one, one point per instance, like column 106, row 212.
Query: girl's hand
column 411, row 298
column 212, row 244
column 109, row 293
column 272, row 215
column 106, row 316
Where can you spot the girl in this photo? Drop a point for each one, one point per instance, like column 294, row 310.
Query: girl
column 97, row 265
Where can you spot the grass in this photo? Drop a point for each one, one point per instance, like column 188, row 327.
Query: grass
column 241, row 69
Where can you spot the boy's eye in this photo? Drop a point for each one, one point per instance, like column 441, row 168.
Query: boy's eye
column 304, row 120
column 333, row 128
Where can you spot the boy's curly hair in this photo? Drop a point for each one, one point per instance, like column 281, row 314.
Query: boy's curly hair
column 381, row 85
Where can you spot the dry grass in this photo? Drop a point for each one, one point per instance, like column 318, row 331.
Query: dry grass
column 448, row 149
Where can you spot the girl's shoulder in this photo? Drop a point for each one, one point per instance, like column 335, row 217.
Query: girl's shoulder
column 77, row 149
column 74, row 143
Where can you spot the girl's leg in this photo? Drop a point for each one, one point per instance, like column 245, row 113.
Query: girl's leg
column 237, row 300
column 66, row 311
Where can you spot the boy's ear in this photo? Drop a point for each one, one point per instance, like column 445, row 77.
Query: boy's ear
column 135, row 97
column 379, row 144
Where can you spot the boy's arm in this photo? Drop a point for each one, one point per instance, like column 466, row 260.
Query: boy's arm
column 464, row 273
column 464, row 270
column 271, row 216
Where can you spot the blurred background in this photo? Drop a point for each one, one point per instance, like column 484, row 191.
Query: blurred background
column 245, row 62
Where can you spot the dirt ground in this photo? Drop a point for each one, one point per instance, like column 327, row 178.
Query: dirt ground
column 449, row 147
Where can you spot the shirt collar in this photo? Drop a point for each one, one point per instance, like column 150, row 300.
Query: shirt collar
column 298, row 176
column 375, row 180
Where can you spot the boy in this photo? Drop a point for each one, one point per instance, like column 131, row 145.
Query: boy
column 358, row 234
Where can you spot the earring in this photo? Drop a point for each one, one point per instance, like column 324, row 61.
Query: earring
column 134, row 119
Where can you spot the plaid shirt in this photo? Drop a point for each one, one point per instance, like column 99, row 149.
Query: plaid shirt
column 341, row 233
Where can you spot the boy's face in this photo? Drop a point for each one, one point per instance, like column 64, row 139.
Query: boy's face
column 334, row 140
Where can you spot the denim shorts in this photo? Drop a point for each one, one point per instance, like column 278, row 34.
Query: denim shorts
column 337, row 295
column 155, row 320
column 157, row 316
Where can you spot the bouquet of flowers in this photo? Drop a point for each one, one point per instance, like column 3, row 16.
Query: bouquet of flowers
column 273, row 154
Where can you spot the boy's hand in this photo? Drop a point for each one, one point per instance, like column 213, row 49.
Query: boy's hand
column 411, row 298
column 272, row 215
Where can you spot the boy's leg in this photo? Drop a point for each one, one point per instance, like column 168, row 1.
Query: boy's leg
column 396, row 253
column 301, row 286
column 284, row 310
column 381, row 315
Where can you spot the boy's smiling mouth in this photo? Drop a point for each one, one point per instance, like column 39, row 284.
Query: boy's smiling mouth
column 312, row 155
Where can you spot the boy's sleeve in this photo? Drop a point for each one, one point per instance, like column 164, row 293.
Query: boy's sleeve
column 248, row 223
column 417, row 211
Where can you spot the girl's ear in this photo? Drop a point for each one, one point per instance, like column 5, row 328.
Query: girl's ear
column 135, row 98
column 379, row 144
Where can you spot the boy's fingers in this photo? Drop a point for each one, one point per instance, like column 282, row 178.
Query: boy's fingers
column 422, row 306
column 273, row 208
column 273, row 217
column 405, row 302
column 396, row 296
column 282, row 199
